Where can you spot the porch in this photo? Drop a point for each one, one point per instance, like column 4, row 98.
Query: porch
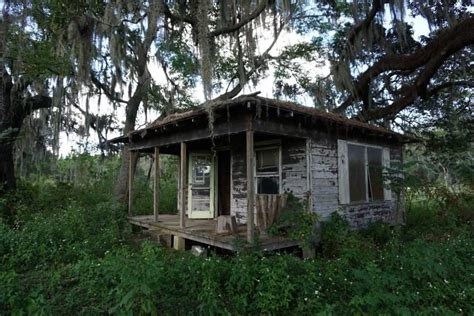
column 204, row 231
column 222, row 173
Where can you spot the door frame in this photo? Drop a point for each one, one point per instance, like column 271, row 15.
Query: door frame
column 212, row 185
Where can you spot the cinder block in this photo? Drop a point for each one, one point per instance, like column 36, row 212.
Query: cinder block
column 179, row 243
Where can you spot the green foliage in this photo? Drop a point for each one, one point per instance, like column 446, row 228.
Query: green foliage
column 296, row 223
column 380, row 233
column 143, row 186
column 54, row 225
column 333, row 235
column 66, row 253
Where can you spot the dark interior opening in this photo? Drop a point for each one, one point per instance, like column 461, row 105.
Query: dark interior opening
column 223, row 182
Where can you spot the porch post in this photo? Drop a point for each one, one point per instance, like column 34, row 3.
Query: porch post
column 250, row 186
column 183, row 185
column 156, row 184
column 131, row 174
column 309, row 180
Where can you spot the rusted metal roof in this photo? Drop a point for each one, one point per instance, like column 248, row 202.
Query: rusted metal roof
column 261, row 102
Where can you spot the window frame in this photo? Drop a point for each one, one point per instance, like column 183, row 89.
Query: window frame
column 343, row 171
column 277, row 173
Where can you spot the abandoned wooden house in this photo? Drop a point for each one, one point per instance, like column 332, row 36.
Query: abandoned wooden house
column 274, row 148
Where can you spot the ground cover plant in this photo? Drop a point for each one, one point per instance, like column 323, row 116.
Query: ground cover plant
column 69, row 251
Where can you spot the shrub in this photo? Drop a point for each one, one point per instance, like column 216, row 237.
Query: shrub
column 379, row 232
column 66, row 254
column 296, row 223
column 333, row 235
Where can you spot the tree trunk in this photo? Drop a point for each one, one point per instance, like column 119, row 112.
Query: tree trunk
column 7, row 174
column 121, row 187
column 7, row 133
column 14, row 108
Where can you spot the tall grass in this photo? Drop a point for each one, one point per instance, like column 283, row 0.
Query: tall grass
column 68, row 252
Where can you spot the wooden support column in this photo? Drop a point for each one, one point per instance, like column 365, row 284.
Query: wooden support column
column 250, row 186
column 131, row 174
column 182, row 189
column 309, row 175
column 156, row 185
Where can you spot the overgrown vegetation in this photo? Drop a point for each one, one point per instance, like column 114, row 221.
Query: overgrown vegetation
column 68, row 251
column 297, row 223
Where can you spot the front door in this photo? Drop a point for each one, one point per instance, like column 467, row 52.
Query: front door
column 223, row 182
column 201, row 186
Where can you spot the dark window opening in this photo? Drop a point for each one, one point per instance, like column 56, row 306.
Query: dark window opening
column 357, row 187
column 268, row 170
column 268, row 185
column 375, row 175
column 365, row 173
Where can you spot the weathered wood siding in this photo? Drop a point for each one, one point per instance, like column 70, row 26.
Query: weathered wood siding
column 293, row 167
column 324, row 177
column 324, row 187
column 293, row 178
column 239, row 180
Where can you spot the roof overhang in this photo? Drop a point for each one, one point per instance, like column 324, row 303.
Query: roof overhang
column 251, row 102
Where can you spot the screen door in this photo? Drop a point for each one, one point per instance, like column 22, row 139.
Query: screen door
column 201, row 186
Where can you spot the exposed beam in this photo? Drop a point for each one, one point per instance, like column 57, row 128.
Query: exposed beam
column 191, row 134
column 183, row 186
column 280, row 127
column 156, row 185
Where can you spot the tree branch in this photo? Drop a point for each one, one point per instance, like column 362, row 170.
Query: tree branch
column 446, row 85
column 175, row 17
column 243, row 21
column 105, row 89
column 37, row 102
column 409, row 93
column 259, row 61
column 377, row 5
column 447, row 42
column 30, row 104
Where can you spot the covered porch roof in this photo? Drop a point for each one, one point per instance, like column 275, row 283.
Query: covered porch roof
column 265, row 116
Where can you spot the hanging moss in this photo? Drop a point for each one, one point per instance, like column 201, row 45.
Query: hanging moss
column 204, row 47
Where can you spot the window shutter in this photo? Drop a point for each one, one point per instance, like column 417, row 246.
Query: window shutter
column 343, row 171
column 387, row 193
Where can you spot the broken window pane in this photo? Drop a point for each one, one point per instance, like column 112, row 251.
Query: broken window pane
column 374, row 177
column 267, row 160
column 357, row 185
column 201, row 171
column 268, row 185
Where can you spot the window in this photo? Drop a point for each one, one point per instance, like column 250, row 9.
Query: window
column 356, row 160
column 361, row 172
column 267, row 167
column 374, row 173
column 201, row 171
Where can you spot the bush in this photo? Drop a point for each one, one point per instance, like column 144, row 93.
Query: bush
column 380, row 233
column 333, row 235
column 296, row 223
column 66, row 254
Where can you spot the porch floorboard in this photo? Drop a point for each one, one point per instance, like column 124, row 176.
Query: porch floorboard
column 203, row 231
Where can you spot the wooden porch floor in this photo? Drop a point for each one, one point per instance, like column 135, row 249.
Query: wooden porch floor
column 203, row 231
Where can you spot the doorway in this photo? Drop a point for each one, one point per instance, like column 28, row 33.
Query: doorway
column 223, row 182
column 201, row 185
